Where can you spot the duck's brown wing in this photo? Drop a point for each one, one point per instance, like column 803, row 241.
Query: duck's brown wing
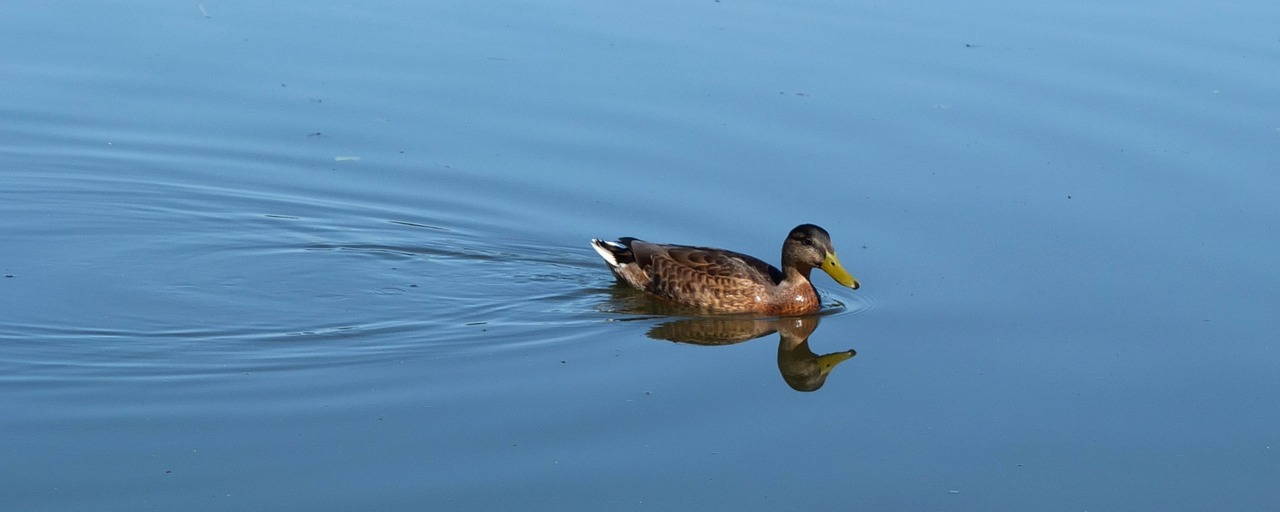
column 702, row 276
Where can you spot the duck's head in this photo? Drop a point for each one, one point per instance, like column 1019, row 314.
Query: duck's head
column 809, row 246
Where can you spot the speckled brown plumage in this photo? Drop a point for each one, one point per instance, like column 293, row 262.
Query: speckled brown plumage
column 726, row 281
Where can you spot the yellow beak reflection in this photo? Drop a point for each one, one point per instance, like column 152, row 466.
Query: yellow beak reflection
column 831, row 265
column 829, row 361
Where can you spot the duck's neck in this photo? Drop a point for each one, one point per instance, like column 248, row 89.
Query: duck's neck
column 792, row 269
column 795, row 274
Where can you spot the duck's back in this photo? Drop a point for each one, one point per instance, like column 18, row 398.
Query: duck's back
column 705, row 277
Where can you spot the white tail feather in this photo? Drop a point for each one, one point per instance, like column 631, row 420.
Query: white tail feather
column 604, row 252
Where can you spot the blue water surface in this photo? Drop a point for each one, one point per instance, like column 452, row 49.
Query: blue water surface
column 270, row 255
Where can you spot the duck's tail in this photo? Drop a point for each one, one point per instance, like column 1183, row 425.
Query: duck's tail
column 616, row 254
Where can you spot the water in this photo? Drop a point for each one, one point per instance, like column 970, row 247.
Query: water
column 322, row 257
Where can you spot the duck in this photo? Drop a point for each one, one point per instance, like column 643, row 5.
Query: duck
column 723, row 281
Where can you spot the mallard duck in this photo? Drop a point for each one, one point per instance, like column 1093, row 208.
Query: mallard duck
column 725, row 281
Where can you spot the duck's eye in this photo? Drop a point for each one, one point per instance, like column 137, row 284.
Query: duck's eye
column 807, row 241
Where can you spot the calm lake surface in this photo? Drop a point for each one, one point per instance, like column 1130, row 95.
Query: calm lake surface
column 321, row 256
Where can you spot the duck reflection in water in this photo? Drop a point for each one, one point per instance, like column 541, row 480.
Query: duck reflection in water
column 801, row 368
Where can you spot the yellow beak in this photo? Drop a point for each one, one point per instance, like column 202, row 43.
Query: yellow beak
column 831, row 265
column 829, row 361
